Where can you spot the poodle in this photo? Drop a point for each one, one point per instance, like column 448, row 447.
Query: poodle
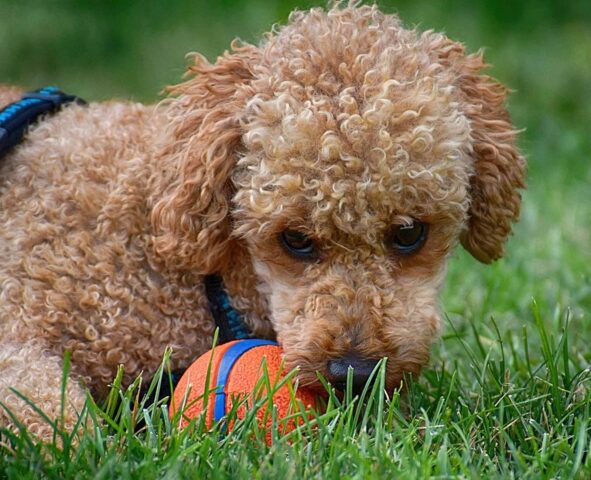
column 324, row 176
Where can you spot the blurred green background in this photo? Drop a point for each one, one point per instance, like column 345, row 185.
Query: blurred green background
column 130, row 49
column 100, row 49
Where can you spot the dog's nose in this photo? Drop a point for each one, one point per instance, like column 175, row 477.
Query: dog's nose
column 362, row 368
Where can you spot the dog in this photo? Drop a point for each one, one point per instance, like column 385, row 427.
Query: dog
column 324, row 176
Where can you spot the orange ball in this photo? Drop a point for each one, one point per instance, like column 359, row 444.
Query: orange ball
column 234, row 370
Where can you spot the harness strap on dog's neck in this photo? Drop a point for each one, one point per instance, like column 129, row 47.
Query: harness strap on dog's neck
column 16, row 117
column 229, row 321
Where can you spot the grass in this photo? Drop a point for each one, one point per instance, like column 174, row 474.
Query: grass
column 507, row 393
column 507, row 407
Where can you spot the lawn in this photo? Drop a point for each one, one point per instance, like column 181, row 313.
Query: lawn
column 508, row 391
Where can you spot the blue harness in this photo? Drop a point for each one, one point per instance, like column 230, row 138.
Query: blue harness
column 16, row 118
column 228, row 320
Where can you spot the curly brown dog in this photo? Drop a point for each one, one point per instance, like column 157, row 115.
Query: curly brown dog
column 325, row 175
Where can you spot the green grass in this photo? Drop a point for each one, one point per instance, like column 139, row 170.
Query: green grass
column 507, row 393
column 504, row 407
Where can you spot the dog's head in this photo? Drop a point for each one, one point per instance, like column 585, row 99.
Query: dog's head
column 344, row 157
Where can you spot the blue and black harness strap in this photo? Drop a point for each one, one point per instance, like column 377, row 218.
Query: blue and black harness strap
column 16, row 117
column 228, row 320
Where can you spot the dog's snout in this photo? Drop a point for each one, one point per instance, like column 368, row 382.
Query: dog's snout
column 362, row 368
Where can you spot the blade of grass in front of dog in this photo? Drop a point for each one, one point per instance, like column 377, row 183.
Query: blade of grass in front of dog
column 563, row 345
column 374, row 390
column 548, row 350
column 64, row 386
column 379, row 390
column 208, row 379
column 582, row 439
column 114, row 392
column 97, row 429
column 199, row 422
column 155, row 385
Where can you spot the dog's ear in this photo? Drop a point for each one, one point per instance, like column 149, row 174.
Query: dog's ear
column 499, row 168
column 192, row 216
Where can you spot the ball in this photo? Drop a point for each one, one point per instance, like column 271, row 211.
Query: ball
column 231, row 372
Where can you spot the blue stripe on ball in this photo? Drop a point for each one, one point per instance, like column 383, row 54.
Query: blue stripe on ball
column 228, row 360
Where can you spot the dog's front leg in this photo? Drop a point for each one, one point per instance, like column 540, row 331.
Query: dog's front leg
column 35, row 373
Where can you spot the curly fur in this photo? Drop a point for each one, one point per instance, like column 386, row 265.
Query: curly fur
column 340, row 124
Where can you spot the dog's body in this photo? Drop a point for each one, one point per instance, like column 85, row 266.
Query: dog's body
column 342, row 127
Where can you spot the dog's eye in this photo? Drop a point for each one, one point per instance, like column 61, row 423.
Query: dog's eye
column 298, row 244
column 408, row 238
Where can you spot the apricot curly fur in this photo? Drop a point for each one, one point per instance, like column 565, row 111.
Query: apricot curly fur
column 340, row 124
